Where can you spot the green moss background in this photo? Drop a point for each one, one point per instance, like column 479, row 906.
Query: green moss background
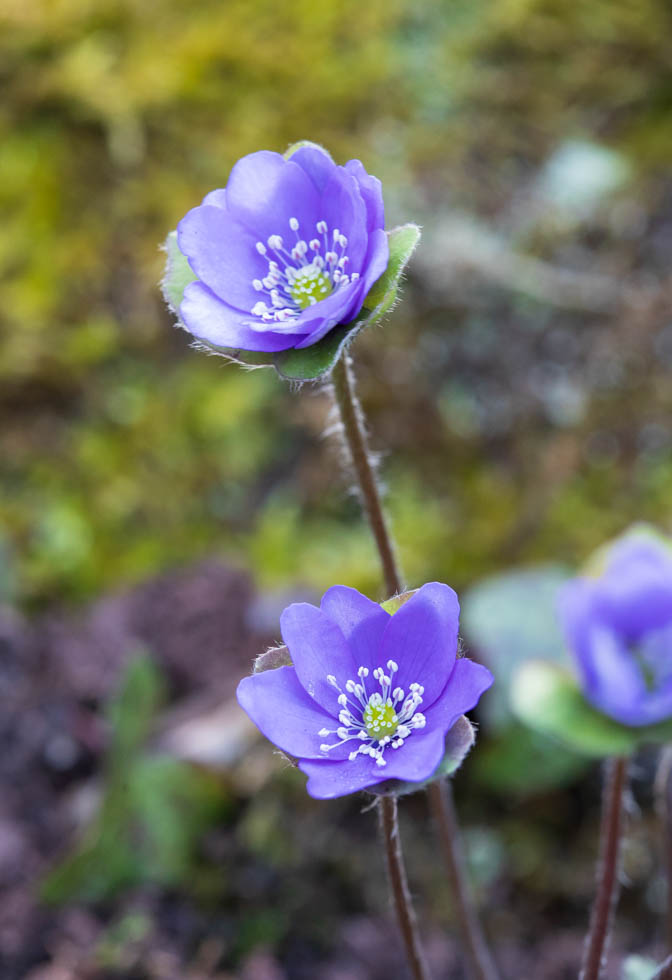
column 122, row 452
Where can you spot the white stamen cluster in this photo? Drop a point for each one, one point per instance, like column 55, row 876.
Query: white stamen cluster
column 299, row 275
column 380, row 720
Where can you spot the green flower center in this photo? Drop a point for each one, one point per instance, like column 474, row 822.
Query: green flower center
column 309, row 285
column 380, row 720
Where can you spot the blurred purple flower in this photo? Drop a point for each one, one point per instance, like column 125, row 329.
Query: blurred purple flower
column 619, row 627
column 370, row 696
column 285, row 253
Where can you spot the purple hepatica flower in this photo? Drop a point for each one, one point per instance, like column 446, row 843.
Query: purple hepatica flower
column 285, row 253
column 619, row 627
column 370, row 696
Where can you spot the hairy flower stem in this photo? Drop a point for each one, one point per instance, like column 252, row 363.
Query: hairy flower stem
column 595, row 952
column 443, row 808
column 664, row 808
column 354, row 433
column 389, row 825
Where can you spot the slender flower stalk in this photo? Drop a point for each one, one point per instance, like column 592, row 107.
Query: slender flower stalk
column 354, row 434
column 389, row 825
column 595, row 953
column 664, row 808
column 441, row 801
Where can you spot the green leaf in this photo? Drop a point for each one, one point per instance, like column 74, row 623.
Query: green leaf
column 153, row 810
column 639, row 968
column 459, row 741
column 402, row 241
column 394, row 604
column 311, row 363
column 547, row 698
column 525, row 762
column 177, row 276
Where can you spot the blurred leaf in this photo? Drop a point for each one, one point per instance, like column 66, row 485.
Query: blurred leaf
column 522, row 761
column 639, row 968
column 509, row 619
column 152, row 813
column 547, row 698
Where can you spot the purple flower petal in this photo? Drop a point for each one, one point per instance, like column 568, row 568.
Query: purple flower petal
column 211, row 320
column 422, row 639
column 280, row 708
column 361, row 621
column 371, row 190
column 342, row 208
column 318, row 320
column 265, row 190
column 635, row 592
column 223, row 255
column 215, row 199
column 293, row 245
column 619, row 628
column 377, row 259
column 467, row 682
column 317, row 164
column 417, row 758
column 318, row 650
column 328, row 780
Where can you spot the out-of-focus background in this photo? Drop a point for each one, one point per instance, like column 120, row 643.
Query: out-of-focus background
column 158, row 507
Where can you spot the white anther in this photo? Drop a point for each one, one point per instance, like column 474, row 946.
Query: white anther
column 293, row 224
column 332, row 680
column 259, row 308
column 324, row 732
column 321, row 226
column 331, row 258
column 314, row 244
column 258, row 285
column 261, row 248
column 336, row 234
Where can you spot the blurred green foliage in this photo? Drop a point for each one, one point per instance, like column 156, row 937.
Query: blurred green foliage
column 121, row 452
column 153, row 811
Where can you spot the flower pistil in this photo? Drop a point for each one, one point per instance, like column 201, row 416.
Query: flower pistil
column 383, row 718
column 294, row 281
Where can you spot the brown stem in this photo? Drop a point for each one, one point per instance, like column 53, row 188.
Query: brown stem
column 354, row 432
column 594, row 957
column 481, row 964
column 408, row 925
column 664, row 808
